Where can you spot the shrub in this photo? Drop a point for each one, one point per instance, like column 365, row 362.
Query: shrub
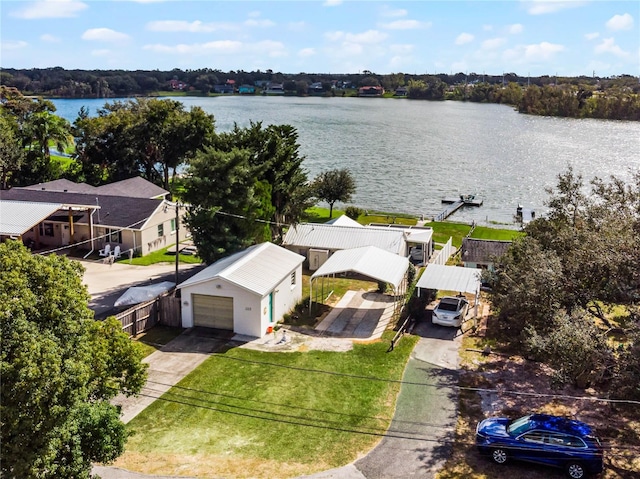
column 354, row 212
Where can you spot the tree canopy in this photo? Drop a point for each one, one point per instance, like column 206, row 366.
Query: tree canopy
column 147, row 137
column 334, row 185
column 59, row 370
column 573, row 268
column 245, row 188
column 30, row 127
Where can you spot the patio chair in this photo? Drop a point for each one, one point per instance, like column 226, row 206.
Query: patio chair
column 116, row 252
column 106, row 251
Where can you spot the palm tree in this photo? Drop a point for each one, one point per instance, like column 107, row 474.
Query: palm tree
column 46, row 129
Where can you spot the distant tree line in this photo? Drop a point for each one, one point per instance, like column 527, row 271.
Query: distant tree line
column 577, row 97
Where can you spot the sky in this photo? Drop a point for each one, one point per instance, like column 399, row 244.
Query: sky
column 532, row 37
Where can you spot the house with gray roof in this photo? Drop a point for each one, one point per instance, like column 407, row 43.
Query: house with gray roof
column 132, row 214
column 481, row 253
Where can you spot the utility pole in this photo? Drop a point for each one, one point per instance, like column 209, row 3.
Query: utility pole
column 177, row 239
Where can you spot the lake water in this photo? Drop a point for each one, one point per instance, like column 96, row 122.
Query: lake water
column 408, row 155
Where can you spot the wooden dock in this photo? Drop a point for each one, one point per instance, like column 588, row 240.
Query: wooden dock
column 454, row 204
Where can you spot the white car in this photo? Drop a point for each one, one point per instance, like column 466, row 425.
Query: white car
column 450, row 311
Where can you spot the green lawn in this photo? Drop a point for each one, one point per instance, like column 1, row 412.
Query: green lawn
column 160, row 256
column 443, row 230
column 483, row 232
column 247, row 413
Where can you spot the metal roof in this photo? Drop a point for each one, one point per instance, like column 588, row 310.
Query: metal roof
column 259, row 268
column 312, row 235
column 450, row 278
column 369, row 261
column 16, row 217
column 344, row 220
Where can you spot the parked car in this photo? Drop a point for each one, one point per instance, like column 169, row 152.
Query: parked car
column 543, row 439
column 450, row 311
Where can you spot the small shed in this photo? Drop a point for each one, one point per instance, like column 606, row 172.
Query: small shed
column 481, row 253
column 247, row 292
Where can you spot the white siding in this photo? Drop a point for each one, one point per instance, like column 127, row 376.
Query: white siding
column 250, row 310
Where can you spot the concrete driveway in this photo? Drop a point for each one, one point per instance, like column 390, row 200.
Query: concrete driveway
column 106, row 282
column 420, row 437
column 168, row 366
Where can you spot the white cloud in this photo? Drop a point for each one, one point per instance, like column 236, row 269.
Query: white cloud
column 405, row 25
column 46, row 37
column 537, row 52
column 493, row 43
column 540, row 7
column 104, row 35
column 542, row 51
column 307, row 52
column 221, row 47
column 608, row 45
column 182, row 26
column 332, row 3
column 368, row 37
column 50, row 9
column 254, row 14
column 591, row 36
column 263, row 23
column 14, row 45
column 515, row 28
column 620, row 22
column 464, row 38
column 487, row 28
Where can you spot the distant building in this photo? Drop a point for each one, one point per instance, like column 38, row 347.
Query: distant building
column 224, row 89
column 177, row 85
column 401, row 91
column 315, row 88
column 370, row 91
column 247, row 90
column 274, row 89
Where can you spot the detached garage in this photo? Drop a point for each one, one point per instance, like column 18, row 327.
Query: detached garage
column 247, row 292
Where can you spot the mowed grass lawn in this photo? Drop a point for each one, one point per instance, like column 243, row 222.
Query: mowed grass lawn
column 246, row 413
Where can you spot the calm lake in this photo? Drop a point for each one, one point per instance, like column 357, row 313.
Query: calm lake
column 408, row 155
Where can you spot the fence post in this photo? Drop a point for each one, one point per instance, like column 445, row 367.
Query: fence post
column 135, row 323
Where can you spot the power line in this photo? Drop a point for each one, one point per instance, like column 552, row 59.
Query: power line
column 412, row 383
column 319, row 423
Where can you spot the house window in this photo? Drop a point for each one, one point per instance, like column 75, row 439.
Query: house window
column 173, row 225
column 113, row 235
column 160, row 230
column 46, row 229
column 293, row 278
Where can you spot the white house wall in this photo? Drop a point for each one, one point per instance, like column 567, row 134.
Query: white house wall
column 285, row 298
column 250, row 311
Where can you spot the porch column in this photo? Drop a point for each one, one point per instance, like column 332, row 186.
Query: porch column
column 71, row 223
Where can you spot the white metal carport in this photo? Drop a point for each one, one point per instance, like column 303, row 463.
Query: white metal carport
column 369, row 261
column 451, row 278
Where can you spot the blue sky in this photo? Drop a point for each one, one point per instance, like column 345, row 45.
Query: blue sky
column 540, row 37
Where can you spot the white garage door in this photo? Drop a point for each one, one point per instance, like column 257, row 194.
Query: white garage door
column 212, row 311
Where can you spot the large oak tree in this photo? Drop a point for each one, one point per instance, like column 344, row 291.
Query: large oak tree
column 59, row 370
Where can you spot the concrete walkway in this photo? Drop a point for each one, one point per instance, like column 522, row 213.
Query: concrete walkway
column 167, row 367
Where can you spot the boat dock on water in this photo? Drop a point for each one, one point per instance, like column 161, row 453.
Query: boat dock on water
column 455, row 204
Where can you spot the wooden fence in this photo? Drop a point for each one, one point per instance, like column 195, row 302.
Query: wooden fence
column 163, row 310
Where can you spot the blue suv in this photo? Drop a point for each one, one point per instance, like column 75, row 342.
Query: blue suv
column 543, row 439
